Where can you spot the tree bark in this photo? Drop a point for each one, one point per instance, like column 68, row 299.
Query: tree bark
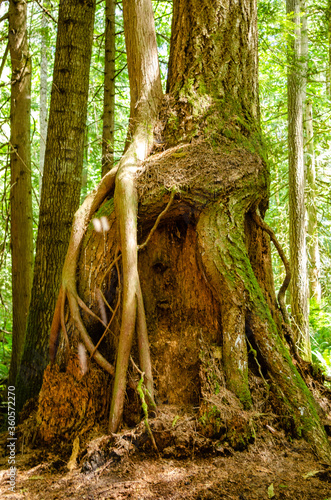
column 43, row 94
column 21, row 191
column 309, row 167
column 312, row 226
column 61, row 184
column 108, row 132
column 298, row 257
column 196, row 59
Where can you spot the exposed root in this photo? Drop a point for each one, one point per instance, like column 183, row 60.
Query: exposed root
column 217, row 234
column 140, row 391
column 126, row 204
column 111, row 319
column 115, row 262
column 56, row 325
column 226, row 263
column 281, row 294
column 80, row 223
column 63, row 324
column 105, row 301
column 253, row 351
column 144, row 115
column 85, row 308
column 102, row 362
column 172, row 195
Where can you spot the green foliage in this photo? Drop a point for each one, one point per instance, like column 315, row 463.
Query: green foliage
column 274, row 29
column 320, row 331
column 5, row 354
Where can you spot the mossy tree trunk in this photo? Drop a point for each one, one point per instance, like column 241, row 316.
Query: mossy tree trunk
column 185, row 234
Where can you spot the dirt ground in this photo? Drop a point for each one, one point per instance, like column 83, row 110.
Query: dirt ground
column 269, row 468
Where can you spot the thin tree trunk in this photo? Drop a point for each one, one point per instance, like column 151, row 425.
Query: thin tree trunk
column 61, row 183
column 304, row 50
column 21, row 197
column 298, row 258
column 309, row 167
column 43, row 94
column 312, row 231
column 108, row 132
column 85, row 166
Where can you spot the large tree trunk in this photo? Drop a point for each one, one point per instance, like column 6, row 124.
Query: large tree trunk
column 21, row 190
column 61, row 183
column 203, row 261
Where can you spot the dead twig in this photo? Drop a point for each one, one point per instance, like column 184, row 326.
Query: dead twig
column 46, row 11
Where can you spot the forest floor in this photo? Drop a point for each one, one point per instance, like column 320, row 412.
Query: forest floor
column 269, row 468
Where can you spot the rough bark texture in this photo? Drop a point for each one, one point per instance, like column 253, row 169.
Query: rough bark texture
column 61, row 183
column 21, row 191
column 223, row 54
column 298, row 257
column 213, row 53
column 108, row 131
column 213, row 323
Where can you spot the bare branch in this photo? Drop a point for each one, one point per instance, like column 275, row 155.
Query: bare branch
column 46, row 12
column 4, row 17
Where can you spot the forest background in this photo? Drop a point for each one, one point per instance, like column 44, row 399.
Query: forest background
column 274, row 28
